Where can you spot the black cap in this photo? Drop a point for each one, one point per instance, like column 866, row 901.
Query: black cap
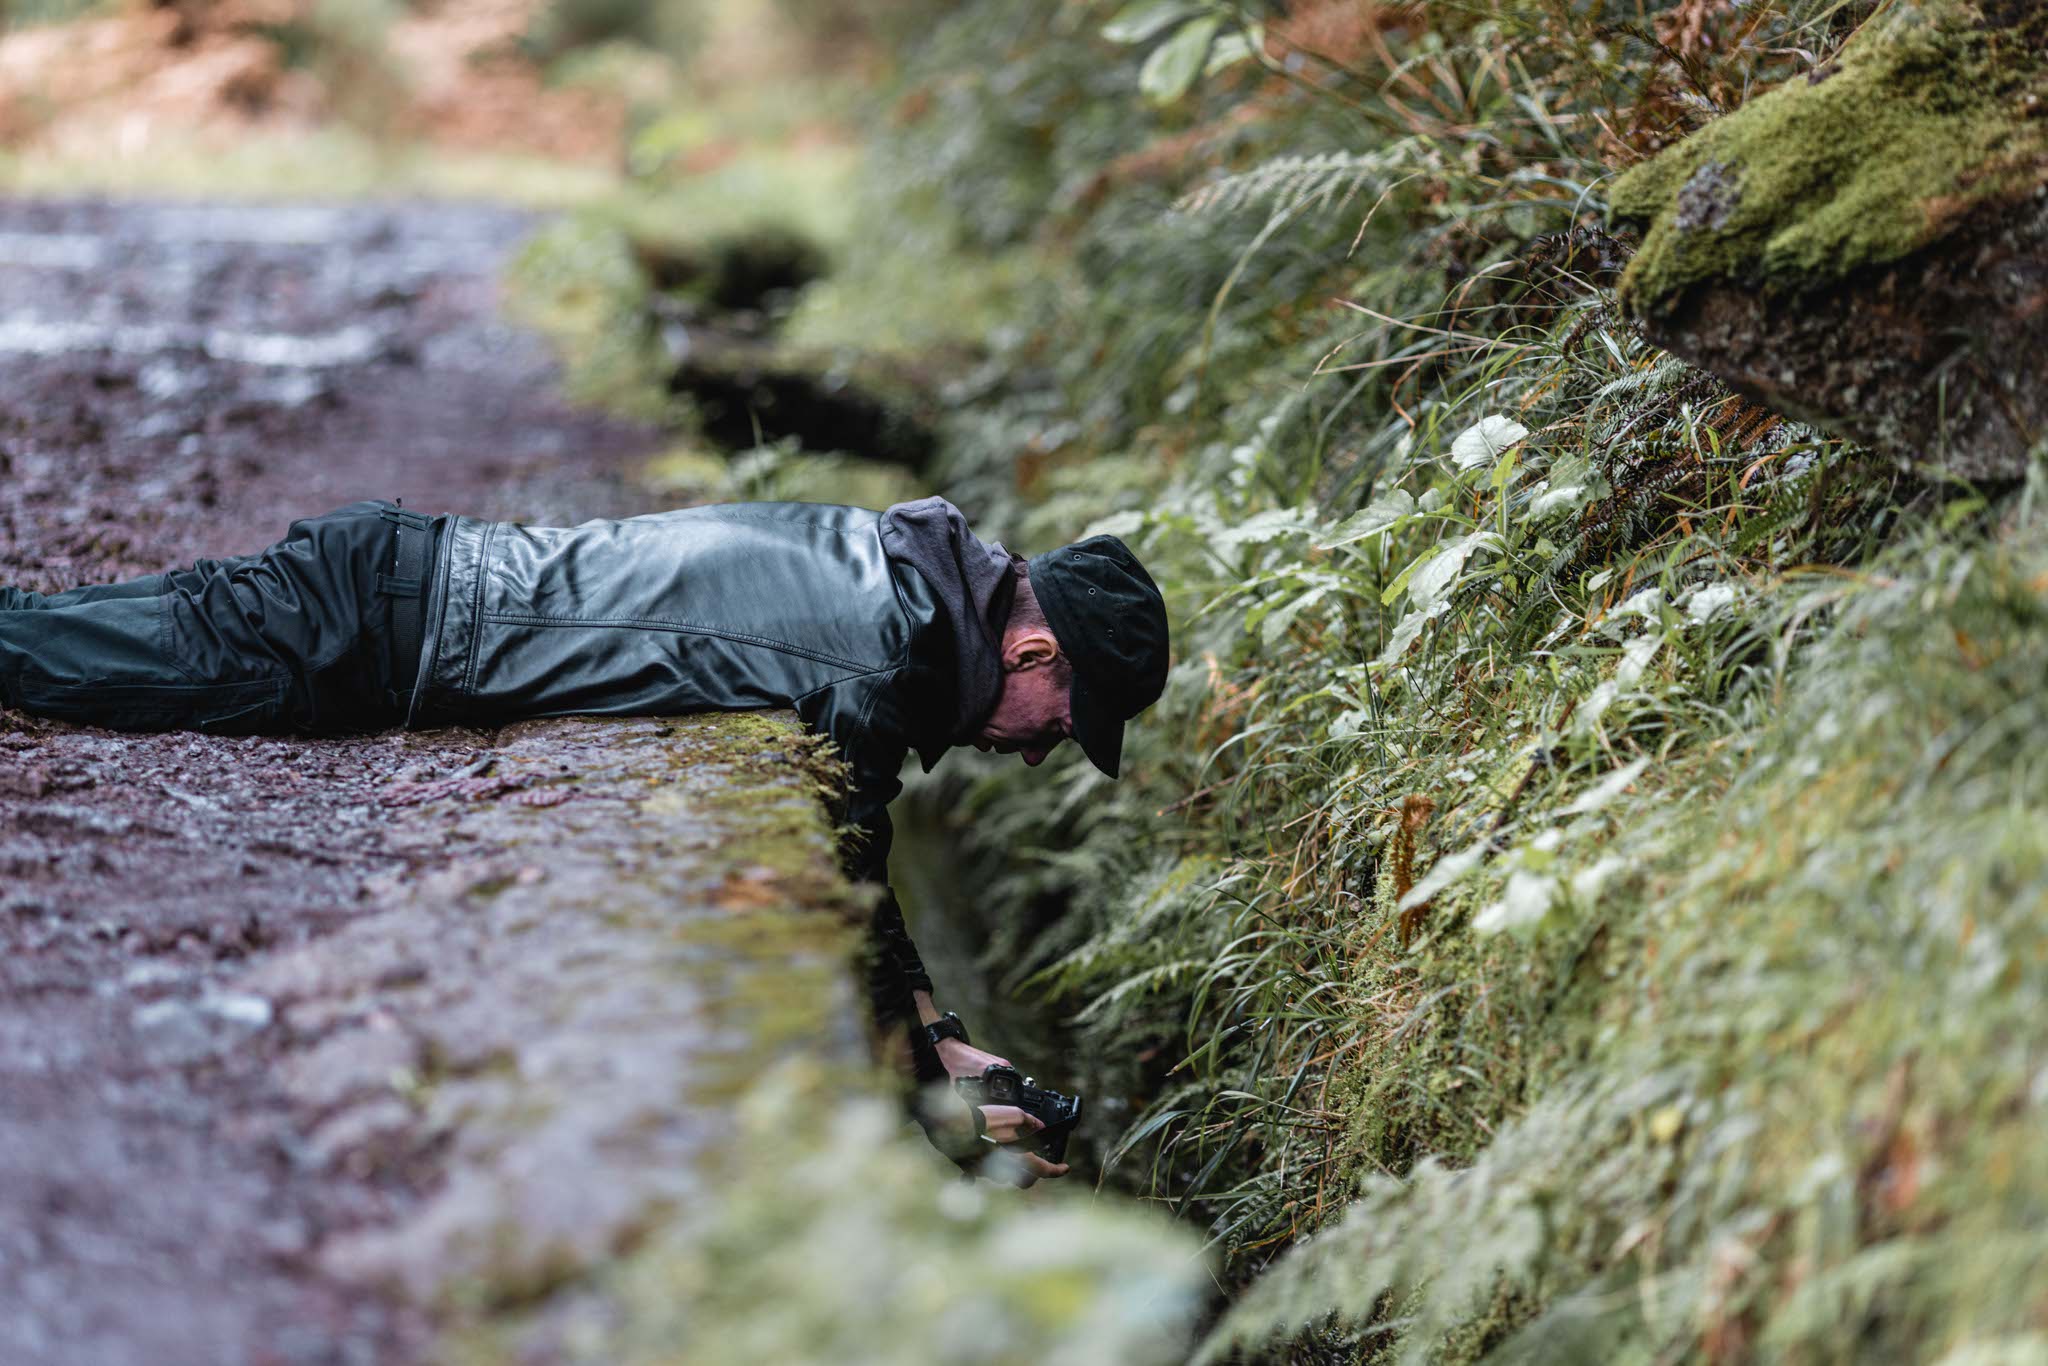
column 1110, row 621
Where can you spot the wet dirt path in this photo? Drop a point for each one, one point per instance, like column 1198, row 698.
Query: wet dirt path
column 270, row 1009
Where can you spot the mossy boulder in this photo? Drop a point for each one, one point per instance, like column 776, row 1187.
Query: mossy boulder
column 1867, row 248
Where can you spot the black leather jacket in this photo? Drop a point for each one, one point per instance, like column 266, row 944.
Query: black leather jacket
column 721, row 608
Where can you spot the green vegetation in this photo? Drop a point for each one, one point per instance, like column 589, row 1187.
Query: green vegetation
column 1920, row 118
column 330, row 163
column 29, row 13
column 838, row 1240
column 1580, row 897
column 579, row 281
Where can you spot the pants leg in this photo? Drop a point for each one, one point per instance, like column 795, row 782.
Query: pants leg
column 148, row 586
column 291, row 639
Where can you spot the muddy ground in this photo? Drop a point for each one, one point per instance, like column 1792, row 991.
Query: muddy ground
column 237, row 975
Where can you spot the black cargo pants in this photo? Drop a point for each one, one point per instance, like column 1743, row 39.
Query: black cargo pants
column 317, row 634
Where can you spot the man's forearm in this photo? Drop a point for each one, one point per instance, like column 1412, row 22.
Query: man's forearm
column 958, row 1058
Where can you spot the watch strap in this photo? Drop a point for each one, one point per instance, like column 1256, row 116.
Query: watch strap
column 947, row 1026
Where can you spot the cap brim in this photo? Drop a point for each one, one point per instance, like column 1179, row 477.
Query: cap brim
column 1099, row 734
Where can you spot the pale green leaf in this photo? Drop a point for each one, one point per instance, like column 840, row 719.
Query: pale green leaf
column 1484, row 440
column 1233, row 48
column 1587, row 882
column 1635, row 658
column 1607, row 789
column 1524, row 902
column 1175, row 63
column 1376, row 518
column 1136, row 22
column 1116, row 524
column 1435, row 579
column 1409, row 629
column 1270, row 525
column 1709, row 602
column 1276, row 623
column 1561, row 498
column 1444, row 872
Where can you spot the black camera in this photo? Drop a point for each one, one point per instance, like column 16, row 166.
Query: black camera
column 1000, row 1085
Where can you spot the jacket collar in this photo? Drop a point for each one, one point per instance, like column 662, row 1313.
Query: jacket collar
column 974, row 583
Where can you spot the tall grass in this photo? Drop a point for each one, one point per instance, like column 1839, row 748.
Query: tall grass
column 1542, row 891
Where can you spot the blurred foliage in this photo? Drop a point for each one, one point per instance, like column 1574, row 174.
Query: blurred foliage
column 26, row 13
column 836, row 1238
column 564, row 26
column 580, row 281
column 345, row 43
column 327, row 164
column 781, row 472
column 840, row 1240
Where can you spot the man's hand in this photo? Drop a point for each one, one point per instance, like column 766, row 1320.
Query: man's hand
column 965, row 1060
column 1008, row 1124
column 1005, row 1123
column 1020, row 1167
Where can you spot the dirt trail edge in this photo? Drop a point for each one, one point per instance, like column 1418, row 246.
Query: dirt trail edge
column 308, row 1048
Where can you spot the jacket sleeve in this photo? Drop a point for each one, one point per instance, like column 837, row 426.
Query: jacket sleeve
column 848, row 717
column 895, row 968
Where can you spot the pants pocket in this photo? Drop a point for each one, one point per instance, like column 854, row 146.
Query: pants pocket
column 263, row 714
column 254, row 707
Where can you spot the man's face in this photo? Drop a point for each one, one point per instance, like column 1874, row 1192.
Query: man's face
column 1033, row 713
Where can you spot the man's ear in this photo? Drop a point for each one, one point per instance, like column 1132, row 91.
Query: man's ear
column 1029, row 649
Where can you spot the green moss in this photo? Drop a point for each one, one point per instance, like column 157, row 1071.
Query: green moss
column 1432, row 1084
column 826, row 1207
column 770, row 790
column 837, row 1238
column 916, row 303
column 1920, row 120
column 787, row 937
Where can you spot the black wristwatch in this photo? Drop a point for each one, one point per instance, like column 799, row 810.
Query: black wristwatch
column 947, row 1026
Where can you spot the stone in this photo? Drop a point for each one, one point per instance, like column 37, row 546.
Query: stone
column 1867, row 249
column 543, row 1024
column 374, row 1130
column 350, row 1064
column 239, row 1009
column 178, row 1032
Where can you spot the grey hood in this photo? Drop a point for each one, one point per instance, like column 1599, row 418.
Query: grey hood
column 974, row 583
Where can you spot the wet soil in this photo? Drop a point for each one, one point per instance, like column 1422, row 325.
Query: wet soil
column 178, row 381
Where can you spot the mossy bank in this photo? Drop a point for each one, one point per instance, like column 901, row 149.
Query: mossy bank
column 1862, row 245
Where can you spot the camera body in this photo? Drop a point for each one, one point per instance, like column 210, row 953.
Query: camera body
column 1000, row 1085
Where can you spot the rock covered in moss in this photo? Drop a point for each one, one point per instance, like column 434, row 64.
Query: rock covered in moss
column 836, row 1238
column 1867, row 248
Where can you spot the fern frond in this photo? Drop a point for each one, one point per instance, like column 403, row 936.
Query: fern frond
column 1285, row 185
